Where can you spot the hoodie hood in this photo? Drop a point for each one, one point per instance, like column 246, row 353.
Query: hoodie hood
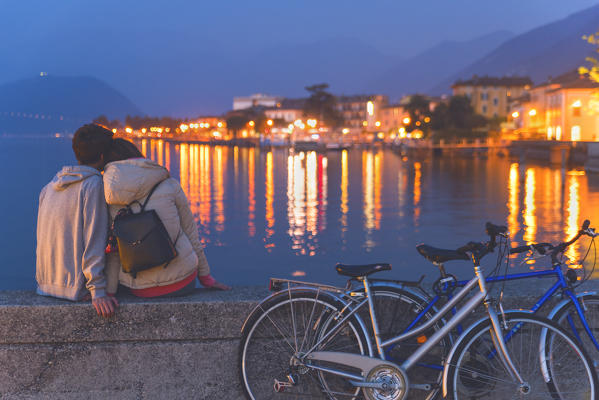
column 129, row 180
column 72, row 174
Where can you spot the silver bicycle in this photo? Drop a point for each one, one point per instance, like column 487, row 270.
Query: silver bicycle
column 310, row 341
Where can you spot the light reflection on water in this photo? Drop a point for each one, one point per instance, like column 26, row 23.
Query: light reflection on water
column 263, row 213
column 248, row 189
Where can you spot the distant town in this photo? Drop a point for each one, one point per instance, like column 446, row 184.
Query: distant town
column 563, row 108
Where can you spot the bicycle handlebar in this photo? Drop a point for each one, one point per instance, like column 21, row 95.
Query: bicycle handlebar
column 556, row 250
column 540, row 247
column 495, row 230
column 480, row 249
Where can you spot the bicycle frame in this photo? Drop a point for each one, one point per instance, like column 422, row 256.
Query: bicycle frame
column 561, row 284
column 365, row 364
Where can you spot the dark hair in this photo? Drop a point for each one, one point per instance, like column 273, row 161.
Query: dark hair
column 90, row 142
column 122, row 149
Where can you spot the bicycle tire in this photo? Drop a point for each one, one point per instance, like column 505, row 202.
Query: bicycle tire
column 401, row 308
column 591, row 313
column 474, row 370
column 268, row 344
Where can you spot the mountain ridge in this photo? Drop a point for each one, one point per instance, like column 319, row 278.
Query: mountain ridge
column 414, row 74
column 49, row 104
column 531, row 54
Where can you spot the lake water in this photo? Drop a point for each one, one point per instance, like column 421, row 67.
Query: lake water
column 263, row 213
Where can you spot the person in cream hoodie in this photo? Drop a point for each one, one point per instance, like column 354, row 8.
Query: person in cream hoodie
column 128, row 177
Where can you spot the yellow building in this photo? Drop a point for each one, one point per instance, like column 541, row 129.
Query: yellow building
column 563, row 108
column 361, row 112
column 491, row 96
column 392, row 117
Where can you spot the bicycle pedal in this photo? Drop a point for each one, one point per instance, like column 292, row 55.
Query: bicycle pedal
column 280, row 386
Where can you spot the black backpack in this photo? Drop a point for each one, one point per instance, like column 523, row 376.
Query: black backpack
column 142, row 239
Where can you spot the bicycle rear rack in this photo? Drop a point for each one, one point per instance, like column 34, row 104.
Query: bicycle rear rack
column 278, row 284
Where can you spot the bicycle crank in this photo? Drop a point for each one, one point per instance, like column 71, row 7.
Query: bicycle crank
column 385, row 382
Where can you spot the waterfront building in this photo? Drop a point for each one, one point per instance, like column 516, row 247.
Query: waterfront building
column 490, row 96
column 562, row 108
column 255, row 100
column 393, row 117
column 288, row 110
column 361, row 112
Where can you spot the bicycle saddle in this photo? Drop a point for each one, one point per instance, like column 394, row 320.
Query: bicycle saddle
column 438, row 256
column 361, row 270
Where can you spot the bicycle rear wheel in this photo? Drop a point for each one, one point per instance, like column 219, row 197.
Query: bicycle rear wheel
column 281, row 331
column 550, row 361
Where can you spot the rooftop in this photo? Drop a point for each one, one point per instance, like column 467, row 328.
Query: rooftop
column 360, row 98
column 505, row 81
column 570, row 80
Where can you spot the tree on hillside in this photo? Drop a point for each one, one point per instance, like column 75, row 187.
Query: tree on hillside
column 457, row 119
column 321, row 105
column 105, row 122
column 593, row 70
column 236, row 122
column 418, row 109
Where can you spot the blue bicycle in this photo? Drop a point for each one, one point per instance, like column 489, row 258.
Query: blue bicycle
column 407, row 305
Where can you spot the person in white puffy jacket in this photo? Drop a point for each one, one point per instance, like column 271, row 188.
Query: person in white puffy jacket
column 129, row 177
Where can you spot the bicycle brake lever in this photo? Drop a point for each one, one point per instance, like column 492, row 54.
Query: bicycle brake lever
column 532, row 256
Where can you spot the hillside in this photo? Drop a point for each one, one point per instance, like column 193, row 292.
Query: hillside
column 49, row 104
column 443, row 60
column 548, row 50
column 346, row 64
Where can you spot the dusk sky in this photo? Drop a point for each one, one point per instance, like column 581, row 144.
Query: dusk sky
column 184, row 57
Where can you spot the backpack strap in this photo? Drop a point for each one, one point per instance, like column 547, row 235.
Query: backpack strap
column 143, row 206
column 174, row 245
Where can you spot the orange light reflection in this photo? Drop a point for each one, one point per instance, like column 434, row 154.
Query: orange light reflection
column 251, row 192
column 513, row 202
column 530, row 218
column 269, row 200
column 417, row 191
column 344, row 203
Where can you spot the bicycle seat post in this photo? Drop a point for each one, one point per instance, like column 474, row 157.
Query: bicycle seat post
column 375, row 326
column 441, row 269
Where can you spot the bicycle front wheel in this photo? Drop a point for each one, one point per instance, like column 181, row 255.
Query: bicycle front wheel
column 569, row 319
column 549, row 360
column 281, row 331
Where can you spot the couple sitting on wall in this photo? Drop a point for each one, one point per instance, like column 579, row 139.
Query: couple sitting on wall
column 76, row 209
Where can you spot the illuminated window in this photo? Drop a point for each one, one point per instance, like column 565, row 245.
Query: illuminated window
column 550, row 133
column 370, row 108
column 558, row 133
column 576, row 108
column 575, row 133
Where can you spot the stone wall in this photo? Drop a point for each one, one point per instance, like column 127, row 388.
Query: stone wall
column 152, row 349
column 185, row 348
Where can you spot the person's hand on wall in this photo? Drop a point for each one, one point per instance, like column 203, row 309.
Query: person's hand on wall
column 105, row 306
column 209, row 282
